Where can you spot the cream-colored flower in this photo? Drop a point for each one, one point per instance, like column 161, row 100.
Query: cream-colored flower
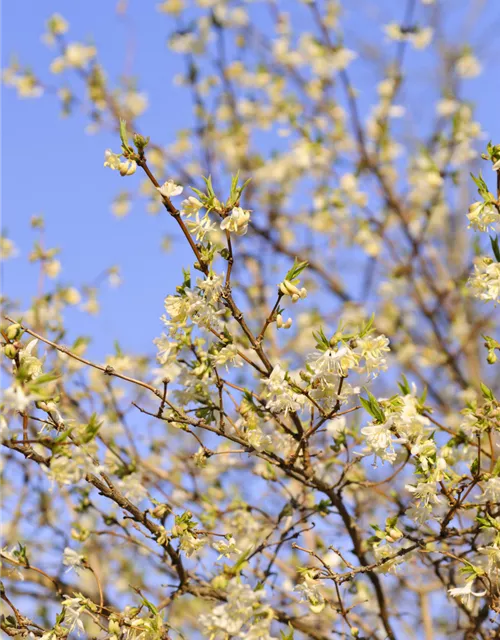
column 237, row 221
column 7, row 248
column 169, row 189
column 78, row 55
column 468, row 66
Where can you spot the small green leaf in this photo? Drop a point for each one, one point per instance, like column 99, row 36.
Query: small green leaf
column 495, row 247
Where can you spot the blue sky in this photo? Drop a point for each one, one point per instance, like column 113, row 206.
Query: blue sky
column 51, row 167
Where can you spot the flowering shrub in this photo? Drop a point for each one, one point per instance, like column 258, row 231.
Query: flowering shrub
column 313, row 449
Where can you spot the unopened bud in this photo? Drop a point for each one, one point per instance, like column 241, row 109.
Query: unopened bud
column 128, row 168
column 492, row 357
column 288, row 288
column 281, row 324
column 393, row 534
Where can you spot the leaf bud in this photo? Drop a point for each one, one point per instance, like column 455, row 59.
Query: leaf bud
column 10, row 351
column 14, row 331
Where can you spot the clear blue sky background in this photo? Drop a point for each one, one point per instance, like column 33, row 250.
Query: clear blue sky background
column 51, row 167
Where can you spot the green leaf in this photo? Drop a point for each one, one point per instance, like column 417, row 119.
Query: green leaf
column 487, row 392
column 150, row 606
column 296, row 270
column 210, row 189
column 495, row 247
column 322, row 342
column 368, row 328
column 124, row 136
column 289, row 635
column 404, row 386
column 481, row 186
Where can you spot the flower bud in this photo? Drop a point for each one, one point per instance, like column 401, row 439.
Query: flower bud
column 492, row 357
column 289, row 289
column 281, row 324
column 14, row 331
column 219, row 582
column 127, row 168
column 114, row 627
column 393, row 534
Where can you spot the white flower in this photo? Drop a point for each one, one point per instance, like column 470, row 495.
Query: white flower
column 424, row 492
column 422, row 38
column 201, row 226
column 14, row 398
column 310, row 593
column 169, row 189
column 73, row 559
column 336, row 427
column 132, row 488
column 177, row 308
column 491, row 490
column 191, row 544
column 493, row 556
column 7, row 248
column 227, row 354
column 52, row 268
column 190, row 206
column 394, row 32
column 420, row 513
column 340, row 58
column 468, row 66
column 380, row 440
column 483, row 216
column 78, row 55
column 258, row 440
column 485, row 281
column 373, row 350
column 136, row 103
column 241, row 616
column 205, row 314
column 166, row 349
column 281, row 397
column 466, row 593
column 112, row 160
column 212, row 286
column 73, row 608
column 226, row 547
column 447, row 107
column 333, row 361
column 237, row 221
